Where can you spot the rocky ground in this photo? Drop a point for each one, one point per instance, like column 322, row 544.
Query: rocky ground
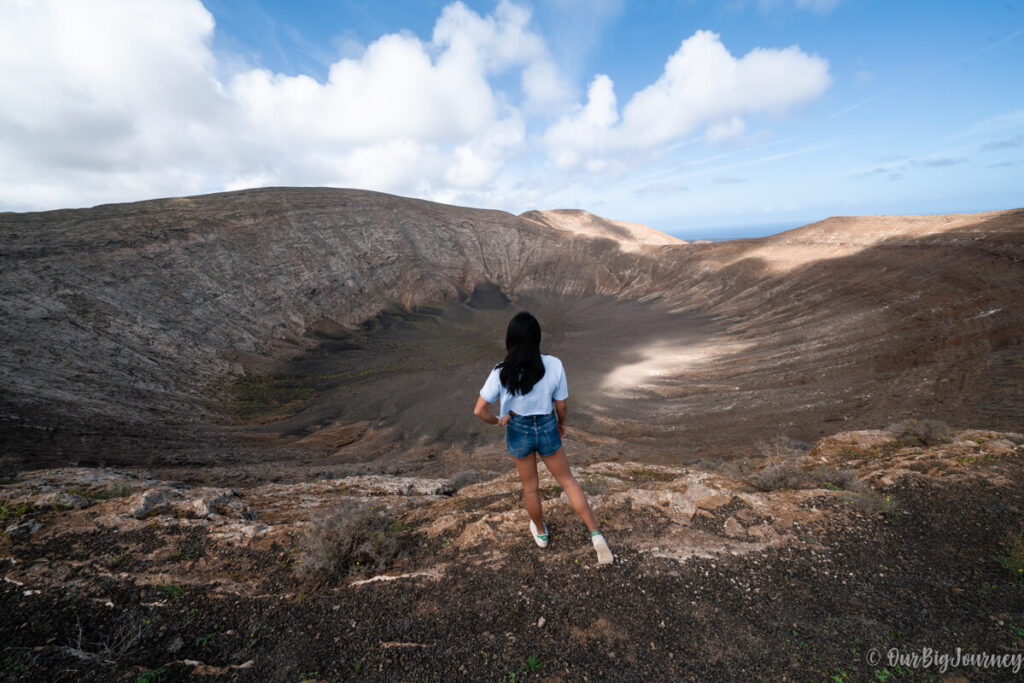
column 796, row 565
column 133, row 332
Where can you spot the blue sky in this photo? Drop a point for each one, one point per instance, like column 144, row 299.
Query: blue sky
column 702, row 119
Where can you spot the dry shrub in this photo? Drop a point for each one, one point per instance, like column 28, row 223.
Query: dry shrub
column 870, row 502
column 737, row 468
column 355, row 536
column 920, row 432
column 782, row 447
column 595, row 485
column 829, row 477
column 783, row 475
column 789, row 474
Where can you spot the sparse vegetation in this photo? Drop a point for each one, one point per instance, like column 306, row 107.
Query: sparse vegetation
column 850, row 453
column 10, row 465
column 14, row 659
column 594, row 486
column 920, row 432
column 171, row 589
column 152, row 676
column 643, row 474
column 1012, row 557
column 533, row 664
column 552, row 491
column 791, row 474
column 870, row 502
column 12, row 510
column 353, row 537
column 782, row 447
column 776, row 476
column 126, row 631
column 257, row 395
column 831, row 478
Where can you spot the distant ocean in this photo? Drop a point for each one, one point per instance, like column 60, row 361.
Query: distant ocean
column 734, row 232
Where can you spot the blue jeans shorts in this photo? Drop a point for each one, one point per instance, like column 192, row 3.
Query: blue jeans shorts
column 525, row 434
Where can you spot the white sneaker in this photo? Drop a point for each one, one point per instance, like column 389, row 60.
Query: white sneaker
column 604, row 553
column 542, row 539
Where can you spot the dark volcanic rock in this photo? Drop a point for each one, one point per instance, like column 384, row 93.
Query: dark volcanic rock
column 376, row 317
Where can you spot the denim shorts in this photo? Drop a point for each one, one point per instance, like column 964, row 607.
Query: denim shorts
column 525, row 434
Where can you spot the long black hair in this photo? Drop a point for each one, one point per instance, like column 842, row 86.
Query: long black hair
column 522, row 367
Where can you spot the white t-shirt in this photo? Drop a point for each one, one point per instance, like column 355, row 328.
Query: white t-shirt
column 550, row 387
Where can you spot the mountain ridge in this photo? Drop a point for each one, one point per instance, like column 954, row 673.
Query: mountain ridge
column 131, row 318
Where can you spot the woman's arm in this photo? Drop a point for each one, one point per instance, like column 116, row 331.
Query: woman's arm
column 561, row 411
column 483, row 411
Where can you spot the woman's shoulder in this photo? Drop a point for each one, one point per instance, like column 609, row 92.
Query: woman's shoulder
column 548, row 359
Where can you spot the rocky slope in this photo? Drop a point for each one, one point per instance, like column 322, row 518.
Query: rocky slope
column 111, row 574
column 346, row 329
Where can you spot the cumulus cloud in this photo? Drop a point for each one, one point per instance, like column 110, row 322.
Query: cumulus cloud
column 702, row 85
column 116, row 100
column 119, row 100
column 103, row 93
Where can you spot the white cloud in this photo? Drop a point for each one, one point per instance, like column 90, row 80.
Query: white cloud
column 117, row 100
column 100, row 96
column 545, row 88
column 702, row 85
column 726, row 130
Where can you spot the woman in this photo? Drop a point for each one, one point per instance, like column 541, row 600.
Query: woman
column 528, row 383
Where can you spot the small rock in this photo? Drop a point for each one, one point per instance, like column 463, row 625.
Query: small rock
column 734, row 529
column 24, row 528
column 540, row 622
column 62, row 499
column 148, row 501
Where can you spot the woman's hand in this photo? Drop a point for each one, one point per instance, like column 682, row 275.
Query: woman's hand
column 504, row 421
column 561, row 430
column 483, row 411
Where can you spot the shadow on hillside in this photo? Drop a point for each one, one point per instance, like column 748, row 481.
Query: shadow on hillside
column 926, row 327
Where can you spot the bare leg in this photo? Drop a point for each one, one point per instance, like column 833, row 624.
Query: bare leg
column 558, row 465
column 527, row 468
